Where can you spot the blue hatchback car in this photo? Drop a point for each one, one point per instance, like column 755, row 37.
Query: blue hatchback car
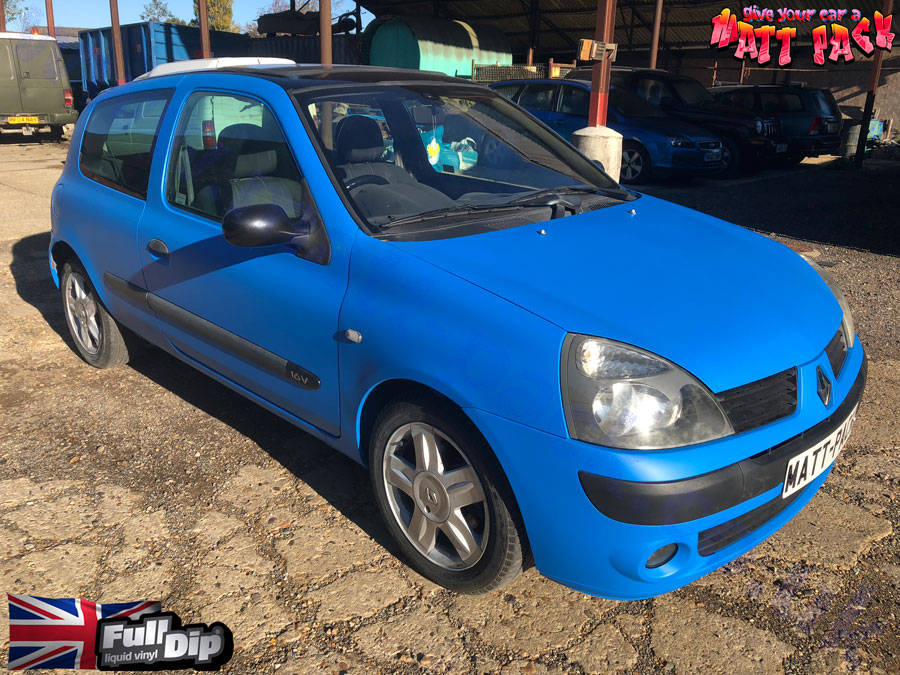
column 653, row 142
column 533, row 362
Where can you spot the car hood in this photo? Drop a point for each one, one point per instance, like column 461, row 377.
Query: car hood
column 669, row 126
column 726, row 304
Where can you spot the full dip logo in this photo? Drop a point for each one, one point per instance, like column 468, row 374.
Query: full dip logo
column 158, row 641
column 77, row 633
column 756, row 41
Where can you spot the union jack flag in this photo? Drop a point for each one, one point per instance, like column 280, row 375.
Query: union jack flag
column 60, row 632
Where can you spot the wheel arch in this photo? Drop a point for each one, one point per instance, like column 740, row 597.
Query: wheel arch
column 388, row 390
column 62, row 252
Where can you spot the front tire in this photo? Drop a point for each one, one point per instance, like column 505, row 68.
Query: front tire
column 444, row 499
column 636, row 166
column 732, row 158
column 95, row 333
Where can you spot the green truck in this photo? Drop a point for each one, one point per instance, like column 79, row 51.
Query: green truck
column 35, row 94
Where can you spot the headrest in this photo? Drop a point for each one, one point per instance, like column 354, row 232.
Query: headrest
column 255, row 164
column 358, row 139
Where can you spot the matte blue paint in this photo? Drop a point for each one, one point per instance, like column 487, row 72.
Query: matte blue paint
column 481, row 319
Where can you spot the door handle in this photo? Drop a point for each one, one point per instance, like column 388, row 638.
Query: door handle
column 158, row 248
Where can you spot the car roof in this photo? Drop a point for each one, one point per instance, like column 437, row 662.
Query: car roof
column 767, row 87
column 25, row 36
column 302, row 75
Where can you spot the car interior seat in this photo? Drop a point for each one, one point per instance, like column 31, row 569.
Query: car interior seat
column 247, row 163
column 359, row 148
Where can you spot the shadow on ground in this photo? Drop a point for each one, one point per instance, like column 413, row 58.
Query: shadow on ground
column 335, row 477
column 817, row 202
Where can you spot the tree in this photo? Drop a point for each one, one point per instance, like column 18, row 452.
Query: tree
column 220, row 15
column 158, row 10
column 14, row 11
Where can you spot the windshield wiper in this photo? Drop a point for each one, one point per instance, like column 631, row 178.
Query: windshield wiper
column 449, row 211
column 547, row 197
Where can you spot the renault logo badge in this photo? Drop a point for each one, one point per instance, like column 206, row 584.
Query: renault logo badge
column 824, row 386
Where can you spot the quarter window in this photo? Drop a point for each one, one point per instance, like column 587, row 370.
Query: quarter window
column 117, row 147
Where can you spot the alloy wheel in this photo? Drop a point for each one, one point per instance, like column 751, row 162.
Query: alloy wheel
column 436, row 496
column 632, row 164
column 82, row 313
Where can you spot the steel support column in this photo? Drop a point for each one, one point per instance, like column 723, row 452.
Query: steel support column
column 325, row 32
column 51, row 25
column 2, row 17
column 654, row 41
column 203, row 21
column 117, row 41
column 604, row 31
column 874, row 76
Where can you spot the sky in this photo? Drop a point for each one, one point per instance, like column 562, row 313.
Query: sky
column 95, row 13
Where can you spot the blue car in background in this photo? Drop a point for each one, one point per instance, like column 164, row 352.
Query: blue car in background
column 531, row 361
column 653, row 143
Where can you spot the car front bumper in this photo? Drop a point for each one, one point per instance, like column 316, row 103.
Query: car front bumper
column 595, row 515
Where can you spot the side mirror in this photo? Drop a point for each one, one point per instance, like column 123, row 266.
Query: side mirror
column 261, row 225
column 600, row 165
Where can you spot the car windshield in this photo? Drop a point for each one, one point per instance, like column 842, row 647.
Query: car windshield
column 629, row 105
column 691, row 91
column 434, row 154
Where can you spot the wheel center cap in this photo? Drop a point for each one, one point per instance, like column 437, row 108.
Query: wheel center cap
column 431, row 497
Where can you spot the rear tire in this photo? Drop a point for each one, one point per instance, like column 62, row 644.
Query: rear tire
column 97, row 337
column 444, row 498
column 56, row 133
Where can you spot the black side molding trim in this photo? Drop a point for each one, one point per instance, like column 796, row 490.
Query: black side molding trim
column 223, row 339
column 680, row 501
column 126, row 289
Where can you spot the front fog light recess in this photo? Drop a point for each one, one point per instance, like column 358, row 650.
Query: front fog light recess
column 624, row 397
column 661, row 556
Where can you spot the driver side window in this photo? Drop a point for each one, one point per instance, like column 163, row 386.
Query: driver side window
column 655, row 92
column 230, row 152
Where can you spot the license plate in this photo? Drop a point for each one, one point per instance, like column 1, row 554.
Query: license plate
column 804, row 468
column 781, row 147
column 712, row 156
column 22, row 120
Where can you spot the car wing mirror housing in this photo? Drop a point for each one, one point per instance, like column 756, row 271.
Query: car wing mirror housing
column 262, row 225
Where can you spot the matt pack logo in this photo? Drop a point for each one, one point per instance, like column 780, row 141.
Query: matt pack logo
column 832, row 39
column 80, row 634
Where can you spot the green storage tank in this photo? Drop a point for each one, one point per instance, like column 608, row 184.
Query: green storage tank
column 443, row 45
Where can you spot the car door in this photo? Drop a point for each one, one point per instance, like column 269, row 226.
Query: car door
column 10, row 101
column 264, row 318
column 40, row 79
column 539, row 98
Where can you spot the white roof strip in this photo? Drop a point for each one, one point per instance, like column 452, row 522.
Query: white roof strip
column 214, row 64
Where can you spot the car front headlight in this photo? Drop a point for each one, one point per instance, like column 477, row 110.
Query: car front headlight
column 624, row 397
column 759, row 126
column 847, row 323
column 680, row 142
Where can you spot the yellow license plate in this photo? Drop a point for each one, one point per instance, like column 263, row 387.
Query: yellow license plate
column 23, row 120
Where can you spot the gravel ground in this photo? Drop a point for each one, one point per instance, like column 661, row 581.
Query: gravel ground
column 152, row 481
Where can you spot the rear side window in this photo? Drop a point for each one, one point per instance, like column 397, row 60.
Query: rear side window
column 507, row 90
column 537, row 96
column 37, row 60
column 780, row 102
column 117, row 147
column 825, row 103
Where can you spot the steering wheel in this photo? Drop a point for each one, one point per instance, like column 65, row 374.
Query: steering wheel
column 368, row 179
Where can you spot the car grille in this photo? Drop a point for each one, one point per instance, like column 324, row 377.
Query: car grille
column 718, row 537
column 837, row 351
column 711, row 145
column 761, row 402
column 768, row 127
